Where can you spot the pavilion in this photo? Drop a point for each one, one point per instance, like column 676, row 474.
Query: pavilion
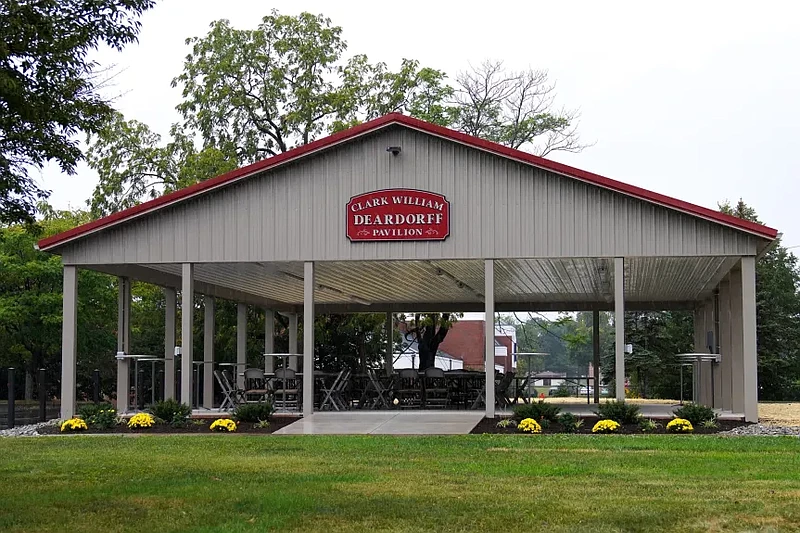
column 466, row 224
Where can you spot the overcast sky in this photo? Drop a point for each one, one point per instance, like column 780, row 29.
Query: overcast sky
column 697, row 100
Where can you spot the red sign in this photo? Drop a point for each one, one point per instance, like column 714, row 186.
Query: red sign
column 398, row 215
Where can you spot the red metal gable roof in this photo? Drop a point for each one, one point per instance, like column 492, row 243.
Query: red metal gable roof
column 439, row 131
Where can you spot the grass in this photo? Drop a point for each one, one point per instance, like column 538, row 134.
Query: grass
column 472, row 482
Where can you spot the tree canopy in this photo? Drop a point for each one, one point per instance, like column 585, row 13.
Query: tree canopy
column 49, row 88
column 249, row 94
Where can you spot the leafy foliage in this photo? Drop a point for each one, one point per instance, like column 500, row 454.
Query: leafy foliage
column 30, row 306
column 695, row 413
column 537, row 410
column 48, row 88
column 570, row 422
column 647, row 425
column 621, row 412
column 101, row 415
column 171, row 411
column 253, row 412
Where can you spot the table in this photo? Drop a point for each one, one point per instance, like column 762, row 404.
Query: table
column 136, row 358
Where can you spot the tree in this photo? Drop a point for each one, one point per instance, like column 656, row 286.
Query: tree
column 428, row 330
column 134, row 165
column 30, row 305
column 48, row 88
column 514, row 108
column 257, row 93
column 777, row 315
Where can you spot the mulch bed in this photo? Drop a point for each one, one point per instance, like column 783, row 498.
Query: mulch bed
column 193, row 426
column 489, row 425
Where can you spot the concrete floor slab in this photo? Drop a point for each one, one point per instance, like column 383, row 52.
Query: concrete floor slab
column 385, row 423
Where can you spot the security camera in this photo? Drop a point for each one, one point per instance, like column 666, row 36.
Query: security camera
column 394, row 149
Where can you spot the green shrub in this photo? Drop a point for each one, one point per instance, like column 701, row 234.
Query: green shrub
column 171, row 411
column 506, row 422
column 570, row 422
column 539, row 411
column 100, row 415
column 621, row 412
column 253, row 412
column 647, row 425
column 695, row 413
column 709, row 424
column 561, row 392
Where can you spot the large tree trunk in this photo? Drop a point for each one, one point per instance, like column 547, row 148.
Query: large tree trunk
column 427, row 357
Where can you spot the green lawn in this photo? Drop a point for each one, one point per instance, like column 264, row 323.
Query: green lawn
column 156, row 484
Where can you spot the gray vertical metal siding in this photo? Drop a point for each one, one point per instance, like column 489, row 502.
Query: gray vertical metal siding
column 500, row 209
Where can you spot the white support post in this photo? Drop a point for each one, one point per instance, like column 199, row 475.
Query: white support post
column 725, row 346
column 170, row 312
column 123, row 344
column 209, row 328
column 293, row 341
column 749, row 345
column 706, row 379
column 187, row 330
column 269, row 340
column 737, row 342
column 241, row 343
column 619, row 327
column 389, row 357
column 488, row 277
column 69, row 342
column 308, row 338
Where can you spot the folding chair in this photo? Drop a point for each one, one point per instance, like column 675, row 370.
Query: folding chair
column 330, row 400
column 339, row 392
column 255, row 385
column 408, row 389
column 231, row 396
column 435, row 388
column 502, row 389
column 379, row 401
column 286, row 389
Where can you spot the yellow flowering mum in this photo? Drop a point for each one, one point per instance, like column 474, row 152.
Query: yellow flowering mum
column 529, row 425
column 223, row 424
column 74, row 424
column 605, row 426
column 680, row 425
column 142, row 420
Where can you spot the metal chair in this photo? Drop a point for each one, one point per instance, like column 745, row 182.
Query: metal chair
column 408, row 389
column 435, row 388
column 255, row 386
column 231, row 395
column 332, row 395
column 379, row 400
column 286, row 390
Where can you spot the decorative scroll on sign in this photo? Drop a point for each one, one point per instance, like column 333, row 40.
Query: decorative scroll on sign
column 398, row 215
